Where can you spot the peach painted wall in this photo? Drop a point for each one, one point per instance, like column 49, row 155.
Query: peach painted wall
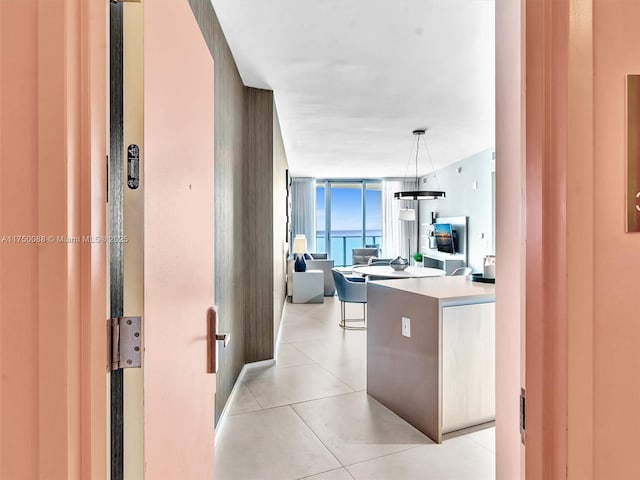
column 52, row 294
column 617, row 254
column 18, row 264
column 179, row 268
column 510, row 236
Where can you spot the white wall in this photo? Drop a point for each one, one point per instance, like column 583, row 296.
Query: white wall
column 463, row 200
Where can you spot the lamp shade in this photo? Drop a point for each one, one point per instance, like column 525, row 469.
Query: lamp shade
column 407, row 214
column 299, row 244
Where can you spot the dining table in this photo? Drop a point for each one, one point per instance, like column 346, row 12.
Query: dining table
column 385, row 271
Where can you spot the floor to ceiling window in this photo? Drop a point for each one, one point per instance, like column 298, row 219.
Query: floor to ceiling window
column 348, row 216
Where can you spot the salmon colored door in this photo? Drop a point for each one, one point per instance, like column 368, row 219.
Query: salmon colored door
column 161, row 204
column 178, row 243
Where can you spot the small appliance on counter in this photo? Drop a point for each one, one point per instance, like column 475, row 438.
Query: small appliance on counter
column 489, row 270
column 488, row 274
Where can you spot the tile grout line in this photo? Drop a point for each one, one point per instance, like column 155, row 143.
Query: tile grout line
column 264, row 409
column 309, row 426
column 252, row 396
column 351, row 390
column 316, row 435
column 346, row 466
column 413, row 447
column 328, row 371
column 321, row 398
column 292, row 344
column 328, row 471
column 307, row 400
column 481, row 445
column 340, row 380
column 314, row 363
column 343, row 467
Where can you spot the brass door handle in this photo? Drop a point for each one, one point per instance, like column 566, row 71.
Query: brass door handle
column 212, row 340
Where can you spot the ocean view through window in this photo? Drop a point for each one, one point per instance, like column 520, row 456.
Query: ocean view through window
column 348, row 216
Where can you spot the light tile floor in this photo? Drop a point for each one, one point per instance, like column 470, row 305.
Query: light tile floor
column 309, row 416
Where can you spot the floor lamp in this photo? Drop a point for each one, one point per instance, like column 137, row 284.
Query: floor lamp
column 408, row 215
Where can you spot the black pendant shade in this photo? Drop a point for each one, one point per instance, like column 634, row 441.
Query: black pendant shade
column 419, row 195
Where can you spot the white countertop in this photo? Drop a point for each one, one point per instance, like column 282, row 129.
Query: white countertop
column 443, row 288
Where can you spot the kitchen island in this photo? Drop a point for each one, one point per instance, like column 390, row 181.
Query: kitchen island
column 431, row 351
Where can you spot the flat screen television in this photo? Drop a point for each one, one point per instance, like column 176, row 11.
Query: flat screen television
column 444, row 237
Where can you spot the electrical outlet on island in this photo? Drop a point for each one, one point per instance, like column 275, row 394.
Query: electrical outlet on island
column 406, row 327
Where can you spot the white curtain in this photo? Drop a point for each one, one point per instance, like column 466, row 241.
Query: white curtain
column 396, row 233
column 303, row 209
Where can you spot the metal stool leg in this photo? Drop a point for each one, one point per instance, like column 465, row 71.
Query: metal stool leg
column 343, row 317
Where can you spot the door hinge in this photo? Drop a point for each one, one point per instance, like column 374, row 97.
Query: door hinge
column 124, row 343
column 523, row 415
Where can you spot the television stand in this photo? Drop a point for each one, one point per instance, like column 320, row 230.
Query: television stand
column 448, row 262
column 444, row 261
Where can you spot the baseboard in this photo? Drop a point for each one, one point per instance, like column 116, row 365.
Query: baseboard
column 277, row 343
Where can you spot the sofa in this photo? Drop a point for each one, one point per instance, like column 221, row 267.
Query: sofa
column 318, row 263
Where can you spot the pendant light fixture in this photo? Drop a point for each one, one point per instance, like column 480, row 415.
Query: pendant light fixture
column 418, row 194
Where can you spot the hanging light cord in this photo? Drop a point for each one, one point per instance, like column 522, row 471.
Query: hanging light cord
column 406, row 170
column 417, row 151
column 433, row 169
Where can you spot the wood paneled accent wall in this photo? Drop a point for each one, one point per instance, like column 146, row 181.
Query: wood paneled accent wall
column 265, row 218
column 244, row 221
column 258, row 225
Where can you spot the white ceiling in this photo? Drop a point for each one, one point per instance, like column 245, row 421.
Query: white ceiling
column 353, row 78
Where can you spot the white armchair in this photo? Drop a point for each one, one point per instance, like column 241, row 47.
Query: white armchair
column 322, row 264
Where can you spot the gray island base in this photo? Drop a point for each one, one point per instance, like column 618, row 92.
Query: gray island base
column 440, row 378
